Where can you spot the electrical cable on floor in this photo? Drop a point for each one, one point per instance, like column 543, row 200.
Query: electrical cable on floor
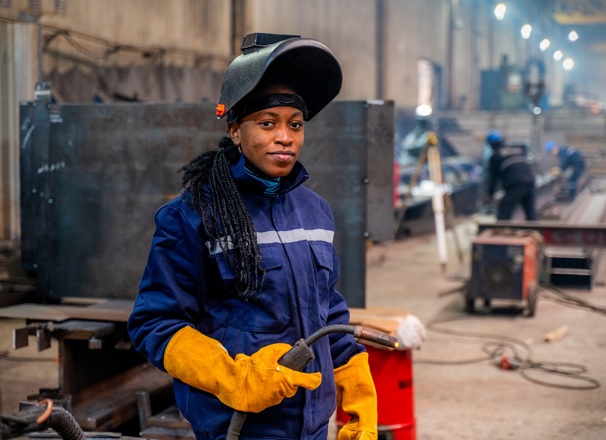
column 554, row 294
column 504, row 353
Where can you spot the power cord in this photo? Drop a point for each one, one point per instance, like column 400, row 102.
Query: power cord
column 504, row 352
column 554, row 294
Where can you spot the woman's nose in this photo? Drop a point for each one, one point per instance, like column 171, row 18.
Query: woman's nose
column 283, row 135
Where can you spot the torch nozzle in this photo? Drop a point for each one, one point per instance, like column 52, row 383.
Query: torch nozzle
column 376, row 337
column 358, row 332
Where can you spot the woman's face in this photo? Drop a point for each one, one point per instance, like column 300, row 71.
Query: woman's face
column 271, row 139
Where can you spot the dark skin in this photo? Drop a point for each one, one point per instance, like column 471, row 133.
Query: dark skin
column 271, row 139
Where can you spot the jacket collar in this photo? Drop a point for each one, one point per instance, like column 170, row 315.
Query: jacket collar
column 244, row 181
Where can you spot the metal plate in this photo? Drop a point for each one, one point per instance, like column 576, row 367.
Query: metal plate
column 94, row 175
column 115, row 310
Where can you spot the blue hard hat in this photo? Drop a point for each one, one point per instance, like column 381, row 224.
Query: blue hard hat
column 494, row 137
column 549, row 146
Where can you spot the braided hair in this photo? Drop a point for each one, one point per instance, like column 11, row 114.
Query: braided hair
column 225, row 218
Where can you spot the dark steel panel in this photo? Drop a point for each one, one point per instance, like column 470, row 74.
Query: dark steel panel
column 107, row 168
column 336, row 146
column 34, row 134
column 380, row 156
column 110, row 168
column 349, row 155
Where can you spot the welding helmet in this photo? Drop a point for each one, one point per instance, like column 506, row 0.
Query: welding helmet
column 303, row 64
column 549, row 146
column 494, row 138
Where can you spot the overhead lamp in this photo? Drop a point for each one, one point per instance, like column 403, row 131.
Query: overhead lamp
column 544, row 44
column 573, row 36
column 499, row 11
column 557, row 55
column 568, row 64
column 526, row 31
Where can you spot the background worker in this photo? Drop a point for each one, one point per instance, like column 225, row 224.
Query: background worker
column 242, row 265
column 570, row 158
column 509, row 167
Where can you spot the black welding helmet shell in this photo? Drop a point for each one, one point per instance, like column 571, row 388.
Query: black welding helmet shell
column 305, row 65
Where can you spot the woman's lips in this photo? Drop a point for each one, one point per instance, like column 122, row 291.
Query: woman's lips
column 283, row 156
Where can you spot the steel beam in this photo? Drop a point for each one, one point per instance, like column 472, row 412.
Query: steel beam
column 557, row 233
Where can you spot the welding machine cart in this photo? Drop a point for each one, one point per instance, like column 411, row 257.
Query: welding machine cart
column 504, row 265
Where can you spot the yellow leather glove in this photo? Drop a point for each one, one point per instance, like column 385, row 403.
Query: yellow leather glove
column 357, row 396
column 246, row 383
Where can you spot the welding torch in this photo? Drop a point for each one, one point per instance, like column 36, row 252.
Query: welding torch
column 301, row 354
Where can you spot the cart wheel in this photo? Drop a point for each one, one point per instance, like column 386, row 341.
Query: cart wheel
column 533, row 295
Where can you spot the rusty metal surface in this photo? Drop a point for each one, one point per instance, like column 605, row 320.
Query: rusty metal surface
column 94, row 175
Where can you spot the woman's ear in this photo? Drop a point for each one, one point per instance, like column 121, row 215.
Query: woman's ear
column 234, row 132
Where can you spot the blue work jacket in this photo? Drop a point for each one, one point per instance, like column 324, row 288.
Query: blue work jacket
column 570, row 158
column 187, row 281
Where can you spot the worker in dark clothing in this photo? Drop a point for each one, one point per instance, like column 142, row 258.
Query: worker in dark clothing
column 570, row 158
column 509, row 167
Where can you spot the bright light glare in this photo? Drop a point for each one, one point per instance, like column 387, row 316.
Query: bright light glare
column 526, row 31
column 573, row 36
column 557, row 55
column 499, row 11
column 568, row 64
column 423, row 110
column 544, row 44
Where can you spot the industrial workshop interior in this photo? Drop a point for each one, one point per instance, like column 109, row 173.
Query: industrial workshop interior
column 499, row 316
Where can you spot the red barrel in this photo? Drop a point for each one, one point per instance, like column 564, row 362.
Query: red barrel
column 392, row 373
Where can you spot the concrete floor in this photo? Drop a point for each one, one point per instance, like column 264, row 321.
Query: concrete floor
column 460, row 400
column 458, row 392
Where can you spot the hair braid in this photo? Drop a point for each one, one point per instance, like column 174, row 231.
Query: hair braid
column 225, row 218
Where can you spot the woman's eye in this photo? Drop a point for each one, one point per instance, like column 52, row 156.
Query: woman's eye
column 296, row 125
column 265, row 123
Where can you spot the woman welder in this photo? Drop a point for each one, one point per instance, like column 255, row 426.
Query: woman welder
column 242, row 265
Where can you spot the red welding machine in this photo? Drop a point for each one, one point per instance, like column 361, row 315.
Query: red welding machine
column 504, row 265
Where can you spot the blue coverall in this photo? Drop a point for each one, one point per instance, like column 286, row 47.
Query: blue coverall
column 188, row 281
column 572, row 158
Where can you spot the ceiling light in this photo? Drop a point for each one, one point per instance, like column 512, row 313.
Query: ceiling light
column 568, row 64
column 573, row 36
column 526, row 31
column 499, row 11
